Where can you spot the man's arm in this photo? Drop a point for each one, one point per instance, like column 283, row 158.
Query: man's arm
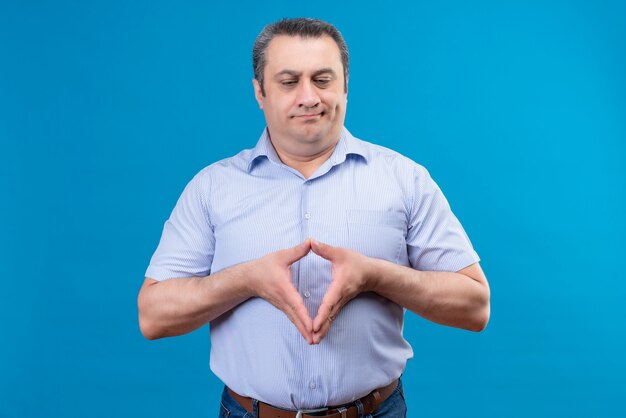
column 458, row 299
column 178, row 306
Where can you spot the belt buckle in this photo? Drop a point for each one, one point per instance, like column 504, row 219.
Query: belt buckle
column 309, row 411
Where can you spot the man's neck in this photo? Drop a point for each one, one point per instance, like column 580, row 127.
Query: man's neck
column 307, row 165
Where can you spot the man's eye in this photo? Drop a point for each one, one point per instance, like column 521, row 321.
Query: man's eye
column 322, row 81
column 288, row 83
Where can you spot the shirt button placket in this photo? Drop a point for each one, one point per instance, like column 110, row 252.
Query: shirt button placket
column 302, row 283
column 306, row 213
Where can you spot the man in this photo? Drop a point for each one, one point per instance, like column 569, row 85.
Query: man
column 303, row 251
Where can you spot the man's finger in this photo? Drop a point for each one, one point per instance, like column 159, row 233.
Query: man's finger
column 323, row 250
column 297, row 322
column 319, row 336
column 325, row 323
column 299, row 315
column 293, row 254
column 321, row 317
column 305, row 328
column 302, row 314
column 302, row 328
column 329, row 306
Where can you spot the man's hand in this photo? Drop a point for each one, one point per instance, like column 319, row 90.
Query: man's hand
column 271, row 280
column 349, row 278
column 176, row 307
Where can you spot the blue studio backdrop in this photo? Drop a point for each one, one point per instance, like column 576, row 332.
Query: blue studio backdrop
column 518, row 109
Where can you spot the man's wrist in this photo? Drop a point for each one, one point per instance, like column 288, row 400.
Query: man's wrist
column 374, row 274
column 238, row 278
column 246, row 276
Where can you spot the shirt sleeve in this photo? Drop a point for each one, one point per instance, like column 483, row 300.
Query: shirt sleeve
column 436, row 240
column 187, row 243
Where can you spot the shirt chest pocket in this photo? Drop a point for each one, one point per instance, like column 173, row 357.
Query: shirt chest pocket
column 378, row 234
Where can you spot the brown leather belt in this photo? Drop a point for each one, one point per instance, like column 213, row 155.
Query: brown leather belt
column 370, row 403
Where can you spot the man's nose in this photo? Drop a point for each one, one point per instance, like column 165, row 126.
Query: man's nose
column 307, row 95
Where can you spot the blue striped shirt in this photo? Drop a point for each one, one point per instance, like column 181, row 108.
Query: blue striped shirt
column 364, row 197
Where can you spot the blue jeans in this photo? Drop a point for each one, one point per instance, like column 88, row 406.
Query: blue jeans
column 393, row 407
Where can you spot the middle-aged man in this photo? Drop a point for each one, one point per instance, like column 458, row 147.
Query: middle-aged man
column 303, row 251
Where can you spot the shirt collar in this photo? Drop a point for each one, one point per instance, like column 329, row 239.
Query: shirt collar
column 263, row 148
column 347, row 145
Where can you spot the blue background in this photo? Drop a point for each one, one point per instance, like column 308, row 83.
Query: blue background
column 518, row 110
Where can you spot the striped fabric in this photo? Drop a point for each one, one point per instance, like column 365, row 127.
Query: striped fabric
column 364, row 197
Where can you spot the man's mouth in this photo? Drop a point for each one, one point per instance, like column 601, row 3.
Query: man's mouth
column 309, row 116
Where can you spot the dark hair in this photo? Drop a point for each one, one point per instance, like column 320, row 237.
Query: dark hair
column 303, row 27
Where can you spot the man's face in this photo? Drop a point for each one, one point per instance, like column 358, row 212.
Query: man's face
column 305, row 99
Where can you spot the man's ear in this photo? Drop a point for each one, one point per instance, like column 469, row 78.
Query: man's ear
column 258, row 93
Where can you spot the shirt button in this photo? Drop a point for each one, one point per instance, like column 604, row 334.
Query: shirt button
column 307, row 216
column 307, row 294
column 312, row 385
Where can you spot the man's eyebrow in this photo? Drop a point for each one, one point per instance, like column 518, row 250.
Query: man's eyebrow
column 295, row 73
column 325, row 71
column 292, row 73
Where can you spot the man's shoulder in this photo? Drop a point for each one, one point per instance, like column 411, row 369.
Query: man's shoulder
column 379, row 154
column 235, row 163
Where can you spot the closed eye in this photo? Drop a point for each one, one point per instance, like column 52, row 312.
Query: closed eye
column 322, row 81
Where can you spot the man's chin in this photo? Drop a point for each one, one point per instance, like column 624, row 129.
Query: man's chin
column 310, row 134
column 311, row 137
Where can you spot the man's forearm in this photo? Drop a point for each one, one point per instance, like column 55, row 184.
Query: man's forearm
column 455, row 299
column 178, row 306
